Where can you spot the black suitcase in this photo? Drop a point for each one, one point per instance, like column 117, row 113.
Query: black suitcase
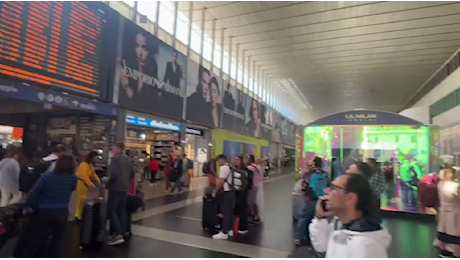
column 305, row 252
column 134, row 203
column 12, row 222
column 209, row 219
column 93, row 225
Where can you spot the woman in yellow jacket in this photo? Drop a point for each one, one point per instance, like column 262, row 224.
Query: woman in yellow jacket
column 86, row 176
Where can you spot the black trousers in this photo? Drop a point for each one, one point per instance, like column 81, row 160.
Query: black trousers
column 24, row 247
column 153, row 176
column 50, row 229
column 241, row 209
column 227, row 207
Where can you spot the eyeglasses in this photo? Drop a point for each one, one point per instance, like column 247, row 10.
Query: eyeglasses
column 335, row 188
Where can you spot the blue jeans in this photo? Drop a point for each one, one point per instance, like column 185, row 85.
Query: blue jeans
column 306, row 215
column 117, row 212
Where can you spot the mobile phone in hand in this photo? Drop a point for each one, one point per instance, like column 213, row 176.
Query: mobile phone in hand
column 323, row 205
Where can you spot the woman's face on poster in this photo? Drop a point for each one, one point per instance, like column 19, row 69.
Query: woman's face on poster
column 141, row 49
column 214, row 93
column 255, row 110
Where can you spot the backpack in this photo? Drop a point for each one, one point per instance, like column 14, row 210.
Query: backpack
column 41, row 167
column 189, row 164
column 250, row 177
column 429, row 191
column 239, row 179
column 317, row 183
column 28, row 177
column 206, row 167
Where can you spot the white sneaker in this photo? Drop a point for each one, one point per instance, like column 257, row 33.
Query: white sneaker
column 230, row 233
column 243, row 232
column 220, row 236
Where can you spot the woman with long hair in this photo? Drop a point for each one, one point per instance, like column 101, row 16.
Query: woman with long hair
column 50, row 196
column 167, row 173
column 241, row 198
column 86, row 178
column 9, row 177
column 448, row 238
column 177, row 170
column 253, row 125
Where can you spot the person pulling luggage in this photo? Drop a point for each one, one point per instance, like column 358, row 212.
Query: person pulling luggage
column 50, row 197
column 86, row 176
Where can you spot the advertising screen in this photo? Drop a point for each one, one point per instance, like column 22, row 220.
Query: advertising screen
column 57, row 44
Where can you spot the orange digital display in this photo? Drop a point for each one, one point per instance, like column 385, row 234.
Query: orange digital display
column 52, row 43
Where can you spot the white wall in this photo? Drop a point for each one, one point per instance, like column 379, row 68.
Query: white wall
column 451, row 83
column 449, row 118
column 421, row 114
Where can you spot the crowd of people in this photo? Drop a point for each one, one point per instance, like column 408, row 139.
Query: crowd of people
column 339, row 215
column 237, row 188
column 344, row 219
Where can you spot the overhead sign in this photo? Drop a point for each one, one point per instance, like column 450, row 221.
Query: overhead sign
column 146, row 122
column 365, row 117
column 24, row 91
column 53, row 43
column 193, row 131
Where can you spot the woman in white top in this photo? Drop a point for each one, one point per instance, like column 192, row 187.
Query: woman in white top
column 9, row 177
column 448, row 238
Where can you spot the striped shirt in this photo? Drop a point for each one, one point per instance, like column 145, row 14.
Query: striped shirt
column 52, row 191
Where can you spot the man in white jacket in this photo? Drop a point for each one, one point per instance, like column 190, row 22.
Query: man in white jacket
column 355, row 230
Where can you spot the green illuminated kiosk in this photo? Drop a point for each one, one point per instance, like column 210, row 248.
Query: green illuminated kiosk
column 405, row 148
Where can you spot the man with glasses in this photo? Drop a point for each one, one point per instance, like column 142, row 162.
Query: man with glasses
column 355, row 230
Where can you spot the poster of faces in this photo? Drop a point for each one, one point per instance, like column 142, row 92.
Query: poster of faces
column 204, row 96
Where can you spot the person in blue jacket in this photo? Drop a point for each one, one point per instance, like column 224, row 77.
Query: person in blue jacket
column 315, row 181
column 50, row 197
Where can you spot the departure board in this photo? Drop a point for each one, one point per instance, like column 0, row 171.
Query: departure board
column 52, row 43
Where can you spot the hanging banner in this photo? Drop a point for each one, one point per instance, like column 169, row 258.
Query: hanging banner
column 265, row 122
column 234, row 112
column 151, row 74
column 204, row 96
column 252, row 125
column 276, row 128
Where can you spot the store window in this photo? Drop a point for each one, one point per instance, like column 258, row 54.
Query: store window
column 197, row 149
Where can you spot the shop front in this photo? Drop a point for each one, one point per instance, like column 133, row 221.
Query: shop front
column 150, row 137
column 197, row 144
column 405, row 149
column 36, row 118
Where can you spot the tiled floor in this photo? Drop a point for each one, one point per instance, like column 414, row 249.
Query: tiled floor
column 171, row 227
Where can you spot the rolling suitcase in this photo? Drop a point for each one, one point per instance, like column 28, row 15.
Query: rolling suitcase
column 209, row 220
column 93, row 225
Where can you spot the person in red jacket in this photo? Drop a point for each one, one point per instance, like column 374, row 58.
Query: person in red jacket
column 154, row 168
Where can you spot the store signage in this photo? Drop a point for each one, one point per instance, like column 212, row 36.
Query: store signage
column 361, row 117
column 27, row 92
column 53, row 43
column 146, row 122
column 365, row 117
column 193, row 131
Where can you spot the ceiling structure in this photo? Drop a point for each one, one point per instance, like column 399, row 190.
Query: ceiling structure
column 341, row 55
